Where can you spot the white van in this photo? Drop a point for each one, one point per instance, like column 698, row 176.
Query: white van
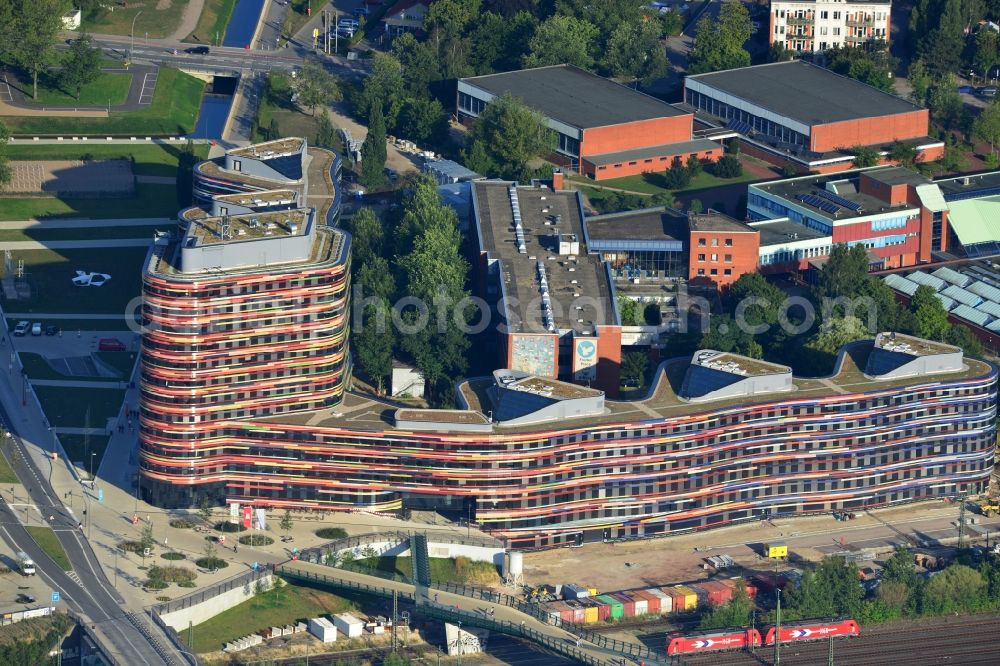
column 26, row 564
column 36, row 328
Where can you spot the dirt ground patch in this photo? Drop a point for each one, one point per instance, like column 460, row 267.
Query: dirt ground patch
column 402, row 163
column 71, row 177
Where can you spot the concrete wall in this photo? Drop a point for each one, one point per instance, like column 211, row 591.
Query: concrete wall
column 439, row 550
column 209, row 608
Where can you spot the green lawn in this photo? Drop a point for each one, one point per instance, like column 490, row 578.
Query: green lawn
column 653, row 183
column 148, row 17
column 295, row 603
column 6, row 471
column 297, row 15
column 157, row 159
column 71, row 326
column 82, row 233
column 212, row 23
column 276, row 104
column 123, row 362
column 173, row 113
column 148, row 201
column 50, row 274
column 47, row 540
column 443, row 570
column 108, row 88
column 64, row 406
column 79, row 448
column 37, row 367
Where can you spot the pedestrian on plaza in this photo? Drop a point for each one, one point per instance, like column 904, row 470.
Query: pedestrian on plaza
column 235, row 549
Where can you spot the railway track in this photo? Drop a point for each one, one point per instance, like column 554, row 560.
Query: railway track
column 966, row 640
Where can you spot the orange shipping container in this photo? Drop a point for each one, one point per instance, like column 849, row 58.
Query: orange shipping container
column 690, row 597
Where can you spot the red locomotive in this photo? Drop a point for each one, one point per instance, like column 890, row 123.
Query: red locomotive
column 708, row 641
column 811, row 631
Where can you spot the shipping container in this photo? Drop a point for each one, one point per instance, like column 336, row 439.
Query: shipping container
column 676, row 599
column 666, row 601
column 348, row 625
column 628, row 606
column 776, row 550
column 554, row 610
column 617, row 610
column 592, row 591
column 652, row 602
column 700, row 592
column 590, row 612
column 567, row 613
column 690, row 597
column 641, row 606
column 571, row 592
column 718, row 592
column 603, row 610
column 579, row 614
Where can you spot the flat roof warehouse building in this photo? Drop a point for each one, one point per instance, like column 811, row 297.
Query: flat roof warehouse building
column 605, row 130
column 801, row 114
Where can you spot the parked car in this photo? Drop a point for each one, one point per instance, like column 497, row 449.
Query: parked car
column 197, row 50
column 51, row 329
column 22, row 328
column 36, row 328
column 25, row 599
column 348, row 23
column 110, row 345
column 969, row 90
column 987, row 91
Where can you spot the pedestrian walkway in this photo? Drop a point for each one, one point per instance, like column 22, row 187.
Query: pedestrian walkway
column 78, row 383
column 67, row 430
column 189, row 19
column 85, row 222
column 74, row 244
column 156, row 180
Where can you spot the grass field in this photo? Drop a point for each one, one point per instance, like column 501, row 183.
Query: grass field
column 297, row 15
column 79, row 448
column 6, row 471
column 654, row 183
column 212, row 23
column 71, row 326
column 64, row 406
column 81, row 233
column 294, row 603
column 151, row 19
column 149, row 201
column 159, row 159
column 277, row 105
column 50, row 274
column 443, row 570
column 46, row 539
column 37, row 368
column 123, row 362
column 108, row 88
column 173, row 113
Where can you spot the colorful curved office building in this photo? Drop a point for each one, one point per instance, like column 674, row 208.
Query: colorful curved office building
column 719, row 439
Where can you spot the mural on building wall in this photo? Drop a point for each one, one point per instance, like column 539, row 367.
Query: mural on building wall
column 534, row 354
column 584, row 359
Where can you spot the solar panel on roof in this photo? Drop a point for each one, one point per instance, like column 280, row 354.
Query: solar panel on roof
column 816, row 202
column 839, row 200
column 739, row 126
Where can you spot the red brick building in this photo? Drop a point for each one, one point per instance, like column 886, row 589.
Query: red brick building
column 605, row 130
column 807, row 116
column 722, row 249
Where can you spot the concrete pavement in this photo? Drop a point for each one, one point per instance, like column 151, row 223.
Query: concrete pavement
column 75, row 244
column 87, row 222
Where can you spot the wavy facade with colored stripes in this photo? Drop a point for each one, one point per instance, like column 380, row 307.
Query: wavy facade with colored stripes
column 845, row 445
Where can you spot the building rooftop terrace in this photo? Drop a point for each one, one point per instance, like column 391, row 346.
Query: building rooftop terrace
column 249, row 226
column 269, row 149
column 820, row 193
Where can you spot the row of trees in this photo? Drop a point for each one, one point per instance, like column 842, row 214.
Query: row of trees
column 833, row 589
column 416, row 253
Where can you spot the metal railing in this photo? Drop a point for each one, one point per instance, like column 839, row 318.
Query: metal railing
column 210, row 592
column 318, row 554
column 182, row 647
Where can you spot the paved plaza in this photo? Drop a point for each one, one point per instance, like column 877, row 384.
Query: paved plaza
column 68, row 177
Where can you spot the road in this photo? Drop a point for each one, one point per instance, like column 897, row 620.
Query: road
column 84, row 589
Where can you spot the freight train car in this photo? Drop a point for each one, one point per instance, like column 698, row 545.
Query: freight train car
column 811, row 631
column 710, row 641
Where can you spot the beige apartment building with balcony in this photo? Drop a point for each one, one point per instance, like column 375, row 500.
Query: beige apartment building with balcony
column 810, row 26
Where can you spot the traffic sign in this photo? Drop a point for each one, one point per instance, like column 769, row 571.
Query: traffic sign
column 55, row 597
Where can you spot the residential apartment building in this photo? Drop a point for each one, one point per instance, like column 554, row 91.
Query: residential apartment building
column 809, row 26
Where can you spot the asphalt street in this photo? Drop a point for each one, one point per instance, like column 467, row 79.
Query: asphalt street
column 85, row 589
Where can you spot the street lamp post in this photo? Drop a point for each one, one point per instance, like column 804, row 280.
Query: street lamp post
column 92, row 454
column 131, row 47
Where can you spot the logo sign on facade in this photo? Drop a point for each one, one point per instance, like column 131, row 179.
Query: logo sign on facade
column 584, row 359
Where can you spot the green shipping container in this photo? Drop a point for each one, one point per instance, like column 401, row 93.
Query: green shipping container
column 617, row 610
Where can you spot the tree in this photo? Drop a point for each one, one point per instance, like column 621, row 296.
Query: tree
column 678, row 176
column 634, row 365
column 734, row 613
column 831, row 589
column 903, row 153
column 845, row 272
column 506, row 137
column 694, row 165
column 987, row 125
column 373, row 343
column 920, row 81
column 146, row 539
column 628, row 308
column 727, row 166
column 81, row 66
column 501, row 41
column 373, row 151
column 958, row 587
column 719, row 44
column 5, row 171
column 930, row 317
column 695, row 206
column 871, row 64
column 274, row 132
column 316, row 86
column 634, row 52
column 374, row 278
column 962, row 337
column 754, row 301
column 211, row 552
column 29, row 38
column 205, row 509
column 326, row 136
column 986, row 50
column 367, row 236
column 865, row 156
column 419, row 62
column 726, row 335
column 942, row 46
column 286, row 521
column 673, row 22
column 780, row 53
column 421, row 120
column 836, row 332
column 562, row 39
column 944, row 102
column 383, row 87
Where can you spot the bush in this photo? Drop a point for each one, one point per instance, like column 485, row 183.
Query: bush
column 256, row 540
column 131, row 546
column 153, row 584
column 173, row 556
column 212, row 563
column 728, row 166
column 181, row 524
column 170, row 574
column 229, row 527
column 331, row 533
column 186, row 583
